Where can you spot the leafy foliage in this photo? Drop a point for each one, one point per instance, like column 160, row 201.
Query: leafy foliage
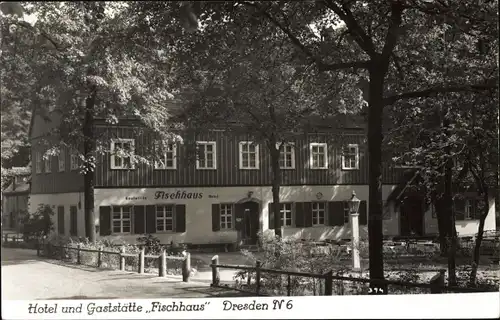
column 38, row 224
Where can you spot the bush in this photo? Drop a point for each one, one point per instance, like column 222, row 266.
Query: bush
column 39, row 224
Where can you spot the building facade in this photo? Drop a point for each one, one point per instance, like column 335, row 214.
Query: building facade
column 225, row 189
column 15, row 199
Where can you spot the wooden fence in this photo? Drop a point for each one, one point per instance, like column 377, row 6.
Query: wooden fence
column 60, row 252
column 436, row 284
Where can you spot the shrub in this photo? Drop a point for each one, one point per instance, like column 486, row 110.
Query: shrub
column 39, row 224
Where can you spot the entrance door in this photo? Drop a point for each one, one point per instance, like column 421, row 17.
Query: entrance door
column 250, row 223
column 412, row 216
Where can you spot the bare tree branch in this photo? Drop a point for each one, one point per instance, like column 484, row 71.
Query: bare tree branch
column 343, row 65
column 440, row 90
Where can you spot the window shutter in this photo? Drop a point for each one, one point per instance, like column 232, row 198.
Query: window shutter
column 215, row 217
column 363, row 214
column 105, row 221
column 300, row 214
column 73, row 216
column 180, row 218
column 271, row 215
column 308, row 219
column 150, row 219
column 60, row 219
column 139, row 225
column 336, row 213
column 459, row 207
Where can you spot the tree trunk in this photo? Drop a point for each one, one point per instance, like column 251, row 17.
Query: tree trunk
column 449, row 213
column 442, row 228
column 89, row 148
column 275, row 165
column 375, row 231
column 479, row 239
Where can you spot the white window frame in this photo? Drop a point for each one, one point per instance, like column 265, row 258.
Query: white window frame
column 163, row 165
column 121, row 219
column 61, row 159
column 256, row 154
column 163, row 209
column 48, row 163
column 214, row 151
column 316, row 210
column 113, row 156
column 38, row 162
column 311, row 155
column 226, row 216
column 356, row 157
column 283, row 214
column 73, row 161
column 284, row 153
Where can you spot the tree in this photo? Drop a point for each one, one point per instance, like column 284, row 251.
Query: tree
column 391, row 45
column 86, row 61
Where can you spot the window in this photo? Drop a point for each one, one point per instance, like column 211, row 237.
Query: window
column 470, row 209
column 73, row 231
column 226, row 216
column 286, row 214
column 164, row 218
column 347, row 211
column 122, row 151
column 169, row 157
column 206, row 155
column 121, row 219
column 318, row 213
column 73, row 161
column 249, row 155
column 287, row 156
column 350, row 157
column 318, row 156
column 48, row 163
column 38, row 162
column 62, row 160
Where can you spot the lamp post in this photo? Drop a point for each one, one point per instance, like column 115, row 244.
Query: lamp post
column 354, row 219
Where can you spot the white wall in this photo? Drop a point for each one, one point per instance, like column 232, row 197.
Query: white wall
column 464, row 227
column 199, row 211
column 61, row 199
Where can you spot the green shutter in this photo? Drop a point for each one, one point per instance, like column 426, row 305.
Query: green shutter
column 363, row 213
column 308, row 214
column 60, row 220
column 336, row 213
column 180, row 218
column 299, row 215
column 105, row 221
column 271, row 215
column 150, row 219
column 139, row 217
column 215, row 217
column 73, row 221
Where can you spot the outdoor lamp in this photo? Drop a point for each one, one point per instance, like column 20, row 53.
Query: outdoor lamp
column 353, row 203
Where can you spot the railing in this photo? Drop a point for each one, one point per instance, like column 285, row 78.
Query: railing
column 62, row 253
column 14, row 237
column 330, row 284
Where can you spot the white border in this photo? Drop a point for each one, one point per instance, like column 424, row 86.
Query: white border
column 214, row 144
column 174, row 151
column 257, row 155
column 356, row 167
column 314, row 144
column 113, row 166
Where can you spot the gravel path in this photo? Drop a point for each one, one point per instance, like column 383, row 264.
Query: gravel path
column 25, row 276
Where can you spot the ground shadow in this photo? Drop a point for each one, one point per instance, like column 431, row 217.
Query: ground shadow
column 217, row 292
column 72, row 265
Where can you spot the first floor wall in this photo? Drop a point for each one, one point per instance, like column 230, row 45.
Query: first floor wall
column 196, row 205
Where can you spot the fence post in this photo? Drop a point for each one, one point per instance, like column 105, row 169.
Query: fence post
column 122, row 259
column 329, row 283
column 99, row 257
column 162, row 263
column 186, row 267
column 437, row 282
column 215, row 271
column 257, row 277
column 289, row 286
column 61, row 252
column 141, row 260
column 78, row 257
